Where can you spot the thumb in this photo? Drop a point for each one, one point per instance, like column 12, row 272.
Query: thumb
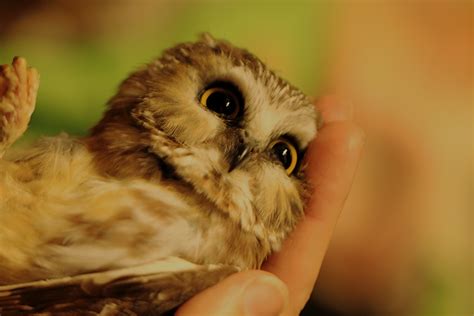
column 248, row 293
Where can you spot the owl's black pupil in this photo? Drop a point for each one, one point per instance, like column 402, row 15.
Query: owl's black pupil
column 283, row 154
column 221, row 103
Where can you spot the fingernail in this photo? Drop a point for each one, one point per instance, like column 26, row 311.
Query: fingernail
column 336, row 109
column 265, row 296
column 357, row 139
column 347, row 110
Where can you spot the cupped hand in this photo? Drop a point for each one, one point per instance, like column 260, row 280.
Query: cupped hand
column 286, row 280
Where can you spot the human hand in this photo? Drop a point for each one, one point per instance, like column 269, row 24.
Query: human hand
column 286, row 280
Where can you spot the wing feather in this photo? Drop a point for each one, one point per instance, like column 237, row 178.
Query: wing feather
column 149, row 289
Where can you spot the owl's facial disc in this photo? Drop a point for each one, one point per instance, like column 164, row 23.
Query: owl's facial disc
column 227, row 125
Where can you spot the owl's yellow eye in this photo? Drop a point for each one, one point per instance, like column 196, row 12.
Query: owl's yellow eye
column 286, row 153
column 221, row 101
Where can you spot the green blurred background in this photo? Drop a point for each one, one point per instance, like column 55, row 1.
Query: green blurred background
column 84, row 50
column 404, row 243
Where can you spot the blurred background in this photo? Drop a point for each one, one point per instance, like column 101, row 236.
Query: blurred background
column 404, row 243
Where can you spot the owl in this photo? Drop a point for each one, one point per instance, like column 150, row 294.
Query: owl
column 198, row 157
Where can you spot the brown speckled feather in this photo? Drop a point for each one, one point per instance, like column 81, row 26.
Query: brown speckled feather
column 150, row 289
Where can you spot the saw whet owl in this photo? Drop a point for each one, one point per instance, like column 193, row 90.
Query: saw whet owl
column 199, row 155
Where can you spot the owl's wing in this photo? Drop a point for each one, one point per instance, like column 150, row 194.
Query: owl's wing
column 150, row 289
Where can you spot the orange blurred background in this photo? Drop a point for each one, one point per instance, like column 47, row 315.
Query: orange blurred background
column 404, row 244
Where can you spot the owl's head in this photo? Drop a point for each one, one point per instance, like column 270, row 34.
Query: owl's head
column 235, row 123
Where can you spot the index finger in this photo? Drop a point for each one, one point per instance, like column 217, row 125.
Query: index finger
column 332, row 160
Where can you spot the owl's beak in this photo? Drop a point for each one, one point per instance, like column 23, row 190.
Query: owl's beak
column 238, row 156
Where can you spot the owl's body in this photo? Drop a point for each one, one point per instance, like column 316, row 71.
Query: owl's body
column 168, row 171
column 82, row 221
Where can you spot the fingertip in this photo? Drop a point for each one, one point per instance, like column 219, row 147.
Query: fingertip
column 336, row 136
column 356, row 138
column 250, row 293
column 266, row 295
column 333, row 108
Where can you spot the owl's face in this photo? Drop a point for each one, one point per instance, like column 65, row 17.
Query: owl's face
column 252, row 126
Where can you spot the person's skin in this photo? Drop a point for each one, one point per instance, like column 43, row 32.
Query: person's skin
column 288, row 277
